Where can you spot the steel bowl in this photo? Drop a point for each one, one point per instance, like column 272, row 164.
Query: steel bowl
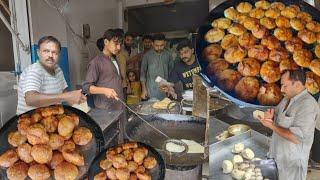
column 237, row 129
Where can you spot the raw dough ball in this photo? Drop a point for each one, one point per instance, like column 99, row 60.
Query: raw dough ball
column 247, row 153
column 172, row 147
column 237, row 159
column 238, row 148
column 227, row 166
column 237, row 174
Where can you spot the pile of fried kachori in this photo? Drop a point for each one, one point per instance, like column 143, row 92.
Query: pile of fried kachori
column 126, row 162
column 262, row 41
column 45, row 144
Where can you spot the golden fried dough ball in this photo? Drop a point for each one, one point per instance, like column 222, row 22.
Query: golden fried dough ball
column 272, row 13
column 302, row 57
column 50, row 123
column 249, row 67
column 101, row 176
column 41, row 153
column 221, row 23
column 105, row 164
column 66, row 171
column 75, row 118
column 267, row 22
column 257, row 13
column 297, row 24
column 144, row 149
column 132, row 166
column 312, row 83
column 24, row 152
column 119, row 161
column 214, row 35
column 313, row 26
column 236, row 29
column 59, row 109
column 277, row 5
column 122, row 174
column 289, row 12
column 297, row 8
column 8, row 158
column 140, row 169
column 282, row 21
column 36, row 134
column 231, row 13
column 307, row 36
column 271, row 42
column 244, row 7
column 23, row 125
column 235, row 54
column 229, row 41
column 283, row 34
column 315, row 66
column 119, row 149
column 270, row 72
column 36, row 117
column 246, row 40
column 66, row 126
column 38, row 172
column 259, row 32
column 216, row 67
column 262, row 4
column 318, row 37
column 278, row 54
column 258, row 52
column 306, row 17
column 73, row 157
column 129, row 145
column 317, row 50
column 57, row 158
column 247, row 88
column 144, row 176
column 16, row 139
column 128, row 154
column 293, row 44
column 138, row 156
column 18, row 171
column 47, row 111
column 149, row 162
column 133, row 176
column 241, row 18
column 212, row 52
column 228, row 79
column 111, row 173
column 287, row 64
column 67, row 137
column 82, row 136
column 250, row 23
column 269, row 95
column 55, row 141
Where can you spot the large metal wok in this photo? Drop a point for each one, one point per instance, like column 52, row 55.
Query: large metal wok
column 219, row 12
column 175, row 126
column 89, row 151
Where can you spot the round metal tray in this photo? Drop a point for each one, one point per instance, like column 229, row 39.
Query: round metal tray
column 88, row 151
column 219, row 12
column 157, row 173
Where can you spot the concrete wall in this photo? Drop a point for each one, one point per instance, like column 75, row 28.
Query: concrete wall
column 100, row 15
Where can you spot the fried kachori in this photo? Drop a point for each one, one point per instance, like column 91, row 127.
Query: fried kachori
column 249, row 67
column 247, row 88
column 82, row 136
column 270, row 71
column 66, row 171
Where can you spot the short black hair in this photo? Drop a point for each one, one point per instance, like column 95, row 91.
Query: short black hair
column 147, row 37
column 49, row 39
column 111, row 34
column 128, row 34
column 297, row 75
column 100, row 44
column 183, row 44
column 159, row 37
column 120, row 32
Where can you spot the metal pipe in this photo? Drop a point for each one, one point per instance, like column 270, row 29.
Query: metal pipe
column 13, row 32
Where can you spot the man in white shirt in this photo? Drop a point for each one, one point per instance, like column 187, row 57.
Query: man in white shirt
column 42, row 83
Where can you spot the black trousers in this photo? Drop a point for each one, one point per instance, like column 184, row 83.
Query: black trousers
column 315, row 149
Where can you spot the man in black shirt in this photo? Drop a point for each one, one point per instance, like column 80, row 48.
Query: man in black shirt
column 184, row 69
